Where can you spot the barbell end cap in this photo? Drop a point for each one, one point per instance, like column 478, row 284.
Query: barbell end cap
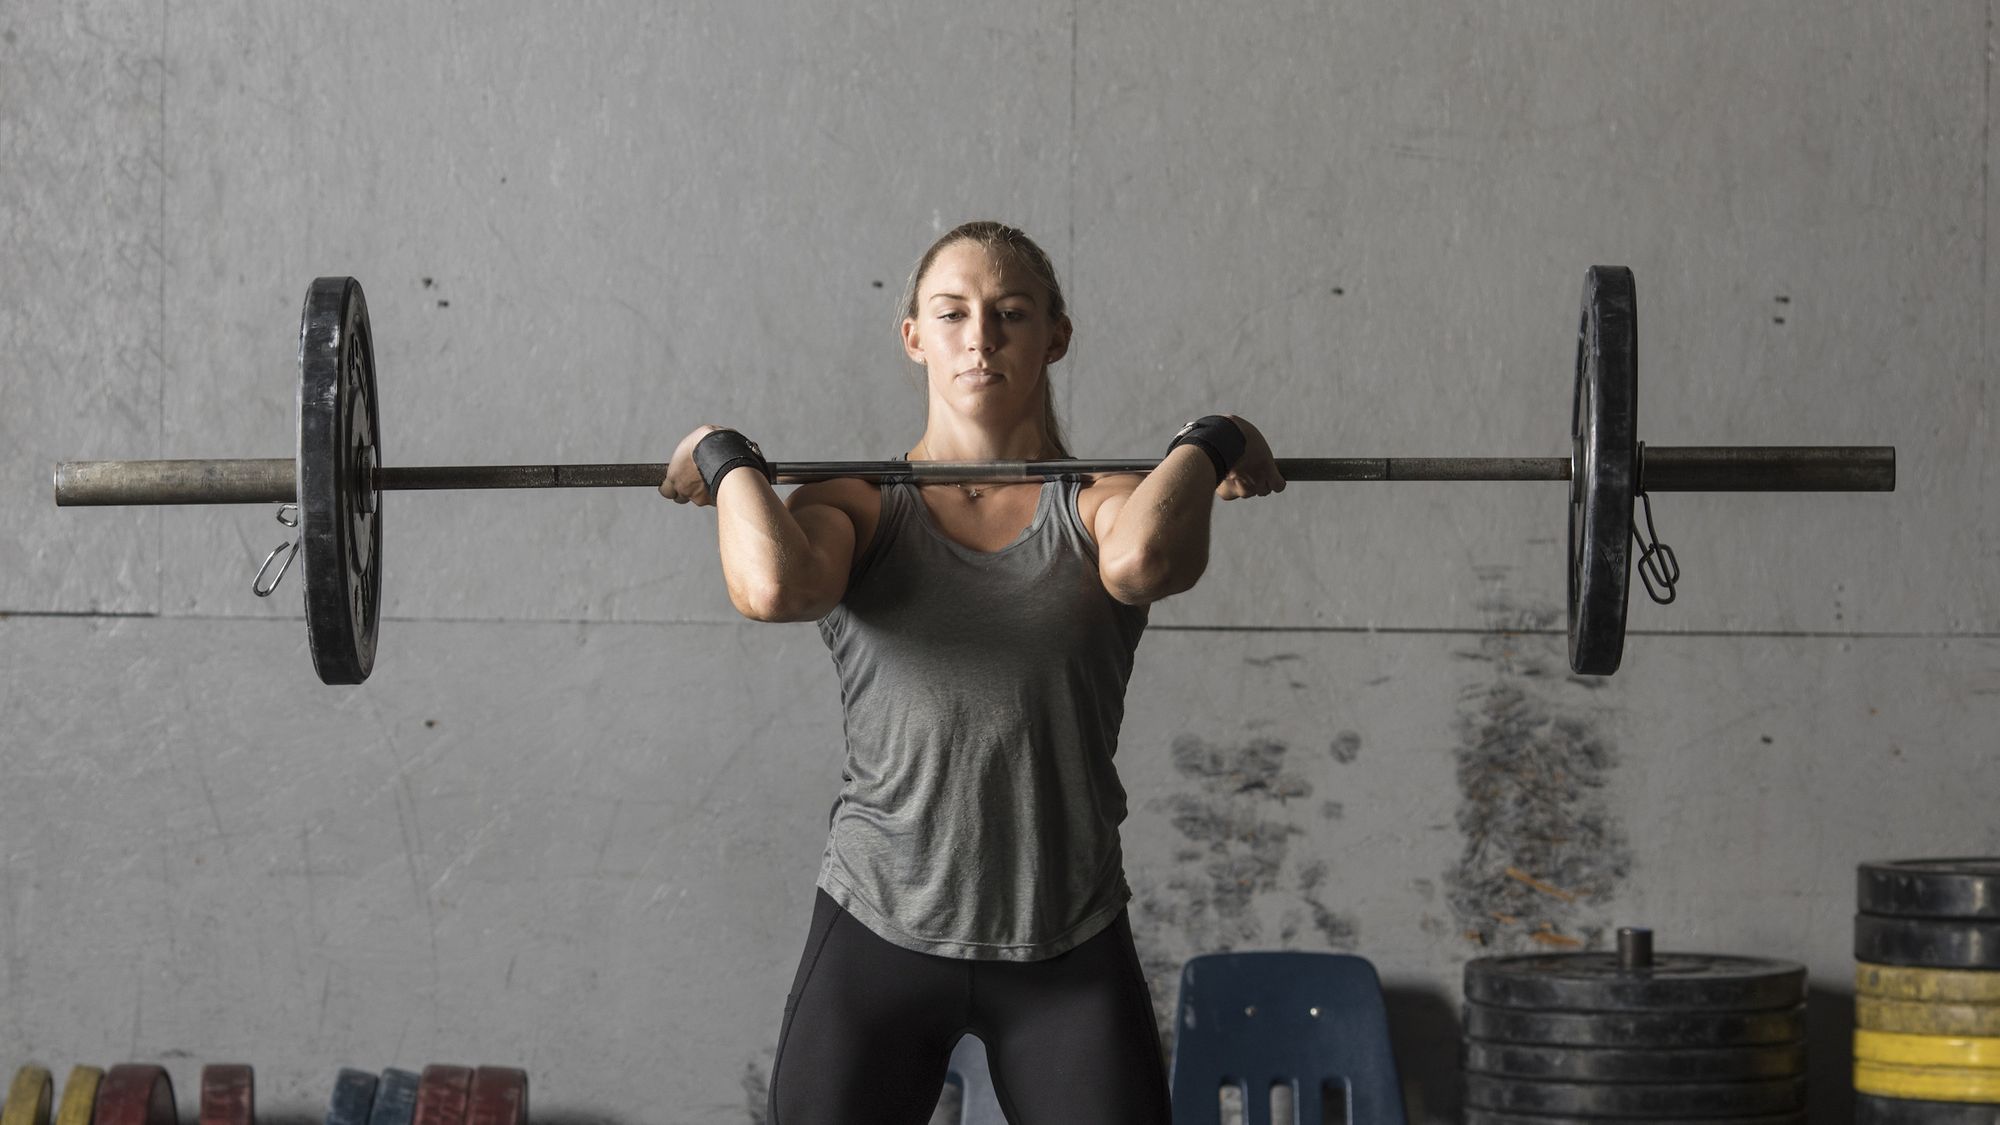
column 61, row 480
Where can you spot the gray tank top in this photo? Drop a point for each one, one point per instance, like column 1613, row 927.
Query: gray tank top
column 983, row 694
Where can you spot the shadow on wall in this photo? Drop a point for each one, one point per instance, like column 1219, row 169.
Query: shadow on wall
column 1829, row 1054
column 1424, row 1033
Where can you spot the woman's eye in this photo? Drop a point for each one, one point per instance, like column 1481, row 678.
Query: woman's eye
column 951, row 315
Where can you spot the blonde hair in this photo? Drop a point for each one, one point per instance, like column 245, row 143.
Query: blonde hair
column 998, row 237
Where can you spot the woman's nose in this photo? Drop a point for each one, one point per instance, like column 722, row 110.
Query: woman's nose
column 985, row 336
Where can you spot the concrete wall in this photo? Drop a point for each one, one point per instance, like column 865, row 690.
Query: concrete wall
column 573, row 820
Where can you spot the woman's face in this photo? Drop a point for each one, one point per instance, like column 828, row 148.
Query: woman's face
column 983, row 332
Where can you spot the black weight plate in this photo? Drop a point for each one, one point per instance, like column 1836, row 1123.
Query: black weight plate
column 1598, row 1064
column 1674, row 982
column 134, row 1094
column 1491, row 1117
column 1649, row 1102
column 1871, row 1110
column 1931, row 888
column 1932, row 943
column 340, row 521
column 1604, row 469
column 395, row 1098
column 1643, row 1030
column 353, row 1098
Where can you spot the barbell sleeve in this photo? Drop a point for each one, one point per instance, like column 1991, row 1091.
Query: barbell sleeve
column 1768, row 468
column 249, row 480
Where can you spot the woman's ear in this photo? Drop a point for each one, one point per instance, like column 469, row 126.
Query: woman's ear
column 913, row 345
column 1059, row 340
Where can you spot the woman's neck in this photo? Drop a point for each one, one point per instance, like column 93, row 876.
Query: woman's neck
column 944, row 442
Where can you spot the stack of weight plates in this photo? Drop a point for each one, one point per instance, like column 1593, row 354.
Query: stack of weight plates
column 1927, row 993
column 138, row 1094
column 129, row 1094
column 441, row 1095
column 132, row 1094
column 1628, row 1037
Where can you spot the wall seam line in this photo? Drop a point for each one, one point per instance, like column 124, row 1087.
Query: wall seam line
column 160, row 325
column 1069, row 385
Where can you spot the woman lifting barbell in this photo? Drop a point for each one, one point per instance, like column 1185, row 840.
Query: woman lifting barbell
column 983, row 636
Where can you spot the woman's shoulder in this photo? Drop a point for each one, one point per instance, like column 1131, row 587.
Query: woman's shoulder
column 859, row 500
column 842, row 492
column 1091, row 498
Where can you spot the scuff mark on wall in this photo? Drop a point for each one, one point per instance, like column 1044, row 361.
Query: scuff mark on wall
column 1338, row 930
column 1239, row 824
column 1542, row 848
column 1242, row 848
column 757, row 1092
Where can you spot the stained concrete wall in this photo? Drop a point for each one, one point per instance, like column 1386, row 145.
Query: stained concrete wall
column 573, row 820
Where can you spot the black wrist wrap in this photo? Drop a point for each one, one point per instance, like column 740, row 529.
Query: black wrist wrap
column 724, row 450
column 1218, row 437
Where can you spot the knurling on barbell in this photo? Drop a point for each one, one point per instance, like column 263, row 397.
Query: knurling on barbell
column 337, row 477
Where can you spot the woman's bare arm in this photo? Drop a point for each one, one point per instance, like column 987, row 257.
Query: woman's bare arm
column 1152, row 536
column 783, row 560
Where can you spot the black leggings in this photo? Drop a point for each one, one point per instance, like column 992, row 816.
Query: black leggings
column 869, row 1027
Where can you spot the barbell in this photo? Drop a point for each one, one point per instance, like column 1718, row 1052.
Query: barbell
column 336, row 478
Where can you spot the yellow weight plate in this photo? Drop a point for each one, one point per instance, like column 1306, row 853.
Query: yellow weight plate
column 1948, row 986
column 1927, row 1050
column 1927, row 1083
column 29, row 1097
column 1915, row 1017
column 79, row 1096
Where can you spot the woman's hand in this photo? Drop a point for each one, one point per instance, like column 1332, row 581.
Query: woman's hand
column 1256, row 472
column 684, row 483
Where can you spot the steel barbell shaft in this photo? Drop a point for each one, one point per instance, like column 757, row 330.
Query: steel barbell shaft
column 1666, row 469
column 971, row 472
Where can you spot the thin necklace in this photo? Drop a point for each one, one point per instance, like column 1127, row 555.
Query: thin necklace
column 971, row 493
